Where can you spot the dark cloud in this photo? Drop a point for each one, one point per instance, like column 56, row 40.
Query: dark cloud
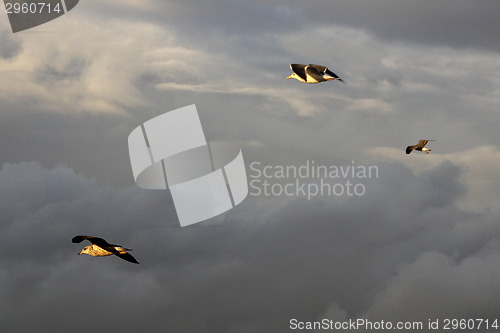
column 214, row 277
column 467, row 24
column 89, row 135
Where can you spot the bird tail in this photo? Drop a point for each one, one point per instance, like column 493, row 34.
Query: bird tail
column 120, row 248
column 329, row 78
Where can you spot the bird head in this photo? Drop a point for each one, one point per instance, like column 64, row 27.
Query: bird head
column 85, row 250
column 293, row 76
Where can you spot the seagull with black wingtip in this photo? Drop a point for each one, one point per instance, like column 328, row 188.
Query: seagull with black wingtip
column 419, row 146
column 312, row 73
column 101, row 248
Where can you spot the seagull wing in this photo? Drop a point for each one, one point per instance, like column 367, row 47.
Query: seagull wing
column 422, row 143
column 320, row 68
column 127, row 257
column 314, row 73
column 300, row 70
column 325, row 70
column 409, row 149
column 329, row 72
column 79, row 239
column 96, row 241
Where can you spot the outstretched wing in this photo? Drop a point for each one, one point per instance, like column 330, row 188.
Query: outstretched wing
column 409, row 149
column 422, row 143
column 127, row 257
column 320, row 68
column 315, row 73
column 329, row 72
column 94, row 240
column 325, row 70
column 300, row 70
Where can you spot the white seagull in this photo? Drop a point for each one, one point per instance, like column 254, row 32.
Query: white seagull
column 101, row 248
column 312, row 73
column 419, row 146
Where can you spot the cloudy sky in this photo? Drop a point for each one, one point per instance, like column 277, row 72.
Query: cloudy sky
column 422, row 242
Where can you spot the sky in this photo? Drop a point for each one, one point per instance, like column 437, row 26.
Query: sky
column 421, row 243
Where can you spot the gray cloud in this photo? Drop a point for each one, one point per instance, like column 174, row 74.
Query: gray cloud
column 9, row 47
column 470, row 24
column 305, row 253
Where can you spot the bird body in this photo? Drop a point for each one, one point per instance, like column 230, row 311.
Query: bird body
column 101, row 248
column 419, row 146
column 96, row 251
column 312, row 73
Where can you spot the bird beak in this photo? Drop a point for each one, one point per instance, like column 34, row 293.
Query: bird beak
column 79, row 252
column 289, row 77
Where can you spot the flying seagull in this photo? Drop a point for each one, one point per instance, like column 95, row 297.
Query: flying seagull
column 312, row 73
column 419, row 146
column 101, row 248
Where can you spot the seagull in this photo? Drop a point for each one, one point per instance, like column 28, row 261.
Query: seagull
column 419, row 146
column 312, row 73
column 101, row 248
